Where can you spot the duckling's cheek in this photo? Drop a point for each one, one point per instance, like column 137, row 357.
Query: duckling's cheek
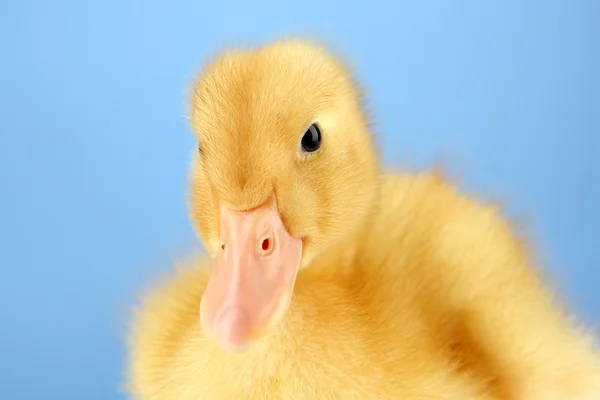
column 251, row 284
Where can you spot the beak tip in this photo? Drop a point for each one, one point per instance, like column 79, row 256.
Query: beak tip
column 233, row 330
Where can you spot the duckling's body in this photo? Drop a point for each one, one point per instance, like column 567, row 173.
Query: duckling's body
column 424, row 293
column 338, row 340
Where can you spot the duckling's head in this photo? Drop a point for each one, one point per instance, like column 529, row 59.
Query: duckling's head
column 285, row 168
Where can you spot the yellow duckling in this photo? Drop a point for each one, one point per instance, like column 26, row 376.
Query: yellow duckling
column 332, row 279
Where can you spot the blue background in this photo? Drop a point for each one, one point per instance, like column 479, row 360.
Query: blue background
column 95, row 146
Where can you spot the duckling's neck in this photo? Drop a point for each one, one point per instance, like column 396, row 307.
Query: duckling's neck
column 340, row 257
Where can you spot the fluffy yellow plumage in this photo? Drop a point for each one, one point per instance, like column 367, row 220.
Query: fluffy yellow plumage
column 406, row 288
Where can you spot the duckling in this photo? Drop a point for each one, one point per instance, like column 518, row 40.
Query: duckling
column 329, row 276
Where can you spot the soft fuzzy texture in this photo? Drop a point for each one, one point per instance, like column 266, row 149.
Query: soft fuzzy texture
column 409, row 289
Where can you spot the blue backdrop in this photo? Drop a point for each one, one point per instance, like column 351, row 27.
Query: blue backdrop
column 95, row 145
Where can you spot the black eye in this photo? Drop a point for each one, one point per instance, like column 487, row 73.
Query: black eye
column 311, row 141
column 199, row 147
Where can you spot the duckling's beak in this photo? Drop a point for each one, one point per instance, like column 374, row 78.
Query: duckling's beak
column 251, row 283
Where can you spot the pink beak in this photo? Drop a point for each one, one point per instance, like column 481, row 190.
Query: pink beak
column 251, row 284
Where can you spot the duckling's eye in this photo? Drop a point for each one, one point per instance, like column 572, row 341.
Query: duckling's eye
column 199, row 147
column 311, row 141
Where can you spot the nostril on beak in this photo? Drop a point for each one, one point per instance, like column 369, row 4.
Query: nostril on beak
column 266, row 245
